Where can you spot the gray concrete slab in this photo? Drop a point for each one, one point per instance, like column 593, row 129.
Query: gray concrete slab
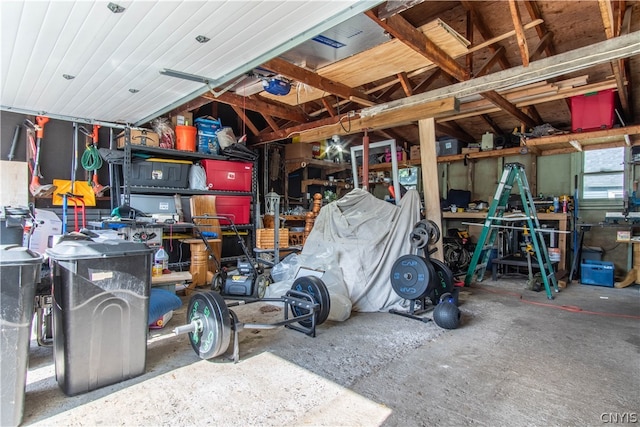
column 517, row 359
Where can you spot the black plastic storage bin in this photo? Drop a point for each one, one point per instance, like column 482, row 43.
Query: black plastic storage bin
column 154, row 172
column 100, row 312
column 19, row 275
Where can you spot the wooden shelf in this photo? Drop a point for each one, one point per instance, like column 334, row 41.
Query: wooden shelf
column 330, row 167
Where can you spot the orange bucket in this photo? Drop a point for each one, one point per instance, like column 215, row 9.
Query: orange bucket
column 186, row 138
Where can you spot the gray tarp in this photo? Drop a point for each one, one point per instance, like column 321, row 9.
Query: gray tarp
column 366, row 235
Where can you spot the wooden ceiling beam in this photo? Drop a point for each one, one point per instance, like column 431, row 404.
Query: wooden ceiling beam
column 485, row 32
column 469, row 57
column 387, row 92
column 401, row 29
column 412, row 37
column 424, row 84
column 488, row 120
column 520, row 37
column 243, row 116
column 325, row 128
column 317, row 81
column 541, row 30
column 606, row 11
column 260, row 106
column 490, row 62
column 541, row 47
column 270, row 121
column 454, row 130
column 406, row 84
column 328, row 106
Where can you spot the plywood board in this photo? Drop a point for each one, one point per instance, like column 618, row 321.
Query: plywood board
column 15, row 182
column 387, row 59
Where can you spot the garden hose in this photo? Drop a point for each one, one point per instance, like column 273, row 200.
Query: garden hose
column 91, row 160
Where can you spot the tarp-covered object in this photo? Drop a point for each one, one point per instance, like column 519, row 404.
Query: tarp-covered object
column 367, row 236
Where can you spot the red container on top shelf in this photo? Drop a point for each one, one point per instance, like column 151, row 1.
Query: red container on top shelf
column 592, row 111
column 228, row 175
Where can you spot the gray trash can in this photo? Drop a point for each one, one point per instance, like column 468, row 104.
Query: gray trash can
column 19, row 274
column 100, row 312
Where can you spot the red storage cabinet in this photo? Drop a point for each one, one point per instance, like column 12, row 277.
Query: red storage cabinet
column 237, row 207
column 592, row 111
column 227, row 175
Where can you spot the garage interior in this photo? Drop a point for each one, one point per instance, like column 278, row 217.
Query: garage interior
column 368, row 130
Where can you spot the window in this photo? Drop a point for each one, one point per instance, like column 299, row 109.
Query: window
column 603, row 174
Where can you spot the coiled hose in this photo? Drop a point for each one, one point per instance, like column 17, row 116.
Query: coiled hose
column 91, row 160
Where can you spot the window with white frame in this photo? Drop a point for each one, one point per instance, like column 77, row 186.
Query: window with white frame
column 603, row 174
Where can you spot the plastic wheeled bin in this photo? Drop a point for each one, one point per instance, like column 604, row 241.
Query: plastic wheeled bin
column 100, row 312
column 19, row 274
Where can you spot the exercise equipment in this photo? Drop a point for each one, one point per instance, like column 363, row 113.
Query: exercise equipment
column 421, row 279
column 211, row 322
column 447, row 315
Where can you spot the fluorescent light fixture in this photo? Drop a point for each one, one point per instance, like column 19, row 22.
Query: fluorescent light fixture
column 134, row 90
column 202, row 39
column 68, row 76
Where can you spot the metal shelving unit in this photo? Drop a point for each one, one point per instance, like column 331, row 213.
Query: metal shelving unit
column 126, row 189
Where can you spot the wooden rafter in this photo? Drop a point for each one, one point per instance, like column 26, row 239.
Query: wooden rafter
column 328, row 107
column 484, row 31
column 541, row 47
column 520, row 37
column 385, row 95
column 329, row 126
column 469, row 56
column 241, row 113
column 261, row 106
column 317, row 81
column 408, row 34
column 541, row 30
column 490, row 62
column 424, row 84
column 406, row 84
column 270, row 121
column 610, row 30
column 491, row 123
column 453, row 129
column 397, row 26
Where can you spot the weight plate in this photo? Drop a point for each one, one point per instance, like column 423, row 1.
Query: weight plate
column 442, row 281
column 215, row 336
column 315, row 288
column 419, row 238
column 431, row 228
column 411, row 276
column 262, row 281
column 217, row 282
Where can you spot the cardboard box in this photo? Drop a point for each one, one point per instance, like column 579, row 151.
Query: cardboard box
column 466, row 150
column 48, row 225
column 183, row 118
column 140, row 137
column 414, row 153
column 298, row 150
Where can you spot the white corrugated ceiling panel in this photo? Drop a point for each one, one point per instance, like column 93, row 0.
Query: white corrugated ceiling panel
column 111, row 53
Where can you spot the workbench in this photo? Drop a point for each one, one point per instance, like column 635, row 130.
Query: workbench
column 560, row 220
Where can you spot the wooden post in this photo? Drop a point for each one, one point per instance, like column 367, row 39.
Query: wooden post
column 429, row 162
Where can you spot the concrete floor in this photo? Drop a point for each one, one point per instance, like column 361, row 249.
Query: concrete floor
column 518, row 359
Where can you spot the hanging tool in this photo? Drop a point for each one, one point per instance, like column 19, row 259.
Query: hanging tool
column 81, row 188
column 91, row 162
column 35, row 188
column 14, row 143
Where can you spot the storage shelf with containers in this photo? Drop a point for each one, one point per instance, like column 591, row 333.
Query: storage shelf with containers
column 164, row 171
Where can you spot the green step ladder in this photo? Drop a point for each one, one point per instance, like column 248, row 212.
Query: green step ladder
column 513, row 172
